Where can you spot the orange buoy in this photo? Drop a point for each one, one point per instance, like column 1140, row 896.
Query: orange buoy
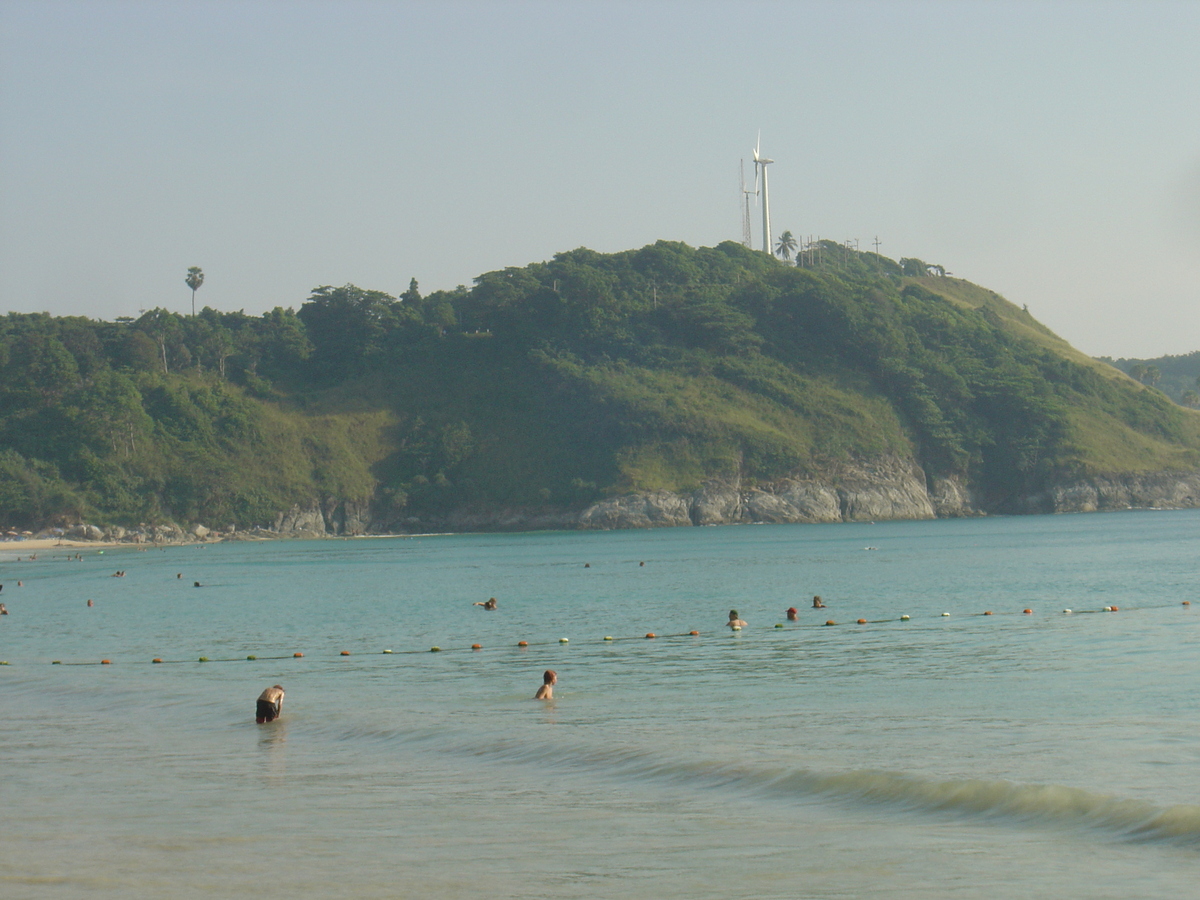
column 1029, row 612
column 297, row 655
column 345, row 653
column 477, row 646
column 987, row 612
column 1187, row 602
column 693, row 633
column 830, row 622
column 1115, row 608
column 106, row 662
column 651, row 634
column 156, row 659
column 522, row 643
column 862, row 621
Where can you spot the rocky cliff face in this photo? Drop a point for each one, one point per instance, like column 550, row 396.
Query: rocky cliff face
column 881, row 489
column 874, row 490
column 1163, row 490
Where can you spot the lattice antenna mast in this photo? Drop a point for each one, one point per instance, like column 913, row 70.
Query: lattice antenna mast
column 747, row 237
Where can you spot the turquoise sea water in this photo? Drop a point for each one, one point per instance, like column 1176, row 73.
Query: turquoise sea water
column 961, row 756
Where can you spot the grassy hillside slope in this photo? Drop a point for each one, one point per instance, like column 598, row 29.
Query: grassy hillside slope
column 556, row 384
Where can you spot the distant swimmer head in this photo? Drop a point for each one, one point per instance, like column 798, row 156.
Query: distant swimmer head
column 792, row 614
column 732, row 614
column 195, row 584
column 549, row 677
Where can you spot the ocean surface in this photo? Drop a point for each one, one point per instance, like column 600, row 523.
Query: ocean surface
column 1039, row 755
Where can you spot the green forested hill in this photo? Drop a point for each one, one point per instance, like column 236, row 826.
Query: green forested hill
column 555, row 385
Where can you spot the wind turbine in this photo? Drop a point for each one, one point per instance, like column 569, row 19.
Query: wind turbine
column 761, row 163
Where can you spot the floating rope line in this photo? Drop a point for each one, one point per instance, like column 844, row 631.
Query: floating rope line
column 607, row 639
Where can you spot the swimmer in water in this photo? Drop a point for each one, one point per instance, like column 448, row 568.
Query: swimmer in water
column 734, row 621
column 3, row 610
column 490, row 603
column 546, row 691
column 90, row 603
column 792, row 614
column 270, row 705
column 817, row 604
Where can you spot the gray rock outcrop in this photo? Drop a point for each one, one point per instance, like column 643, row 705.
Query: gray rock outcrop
column 887, row 488
column 1157, row 490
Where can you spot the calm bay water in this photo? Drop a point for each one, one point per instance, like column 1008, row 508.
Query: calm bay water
column 960, row 756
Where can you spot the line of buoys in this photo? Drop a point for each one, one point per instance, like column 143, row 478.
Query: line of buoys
column 523, row 644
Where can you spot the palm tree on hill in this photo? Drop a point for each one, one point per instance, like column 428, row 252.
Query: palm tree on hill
column 194, row 279
column 786, row 245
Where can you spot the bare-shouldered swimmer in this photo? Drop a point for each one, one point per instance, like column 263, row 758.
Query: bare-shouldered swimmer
column 734, row 621
column 270, row 704
column 546, row 691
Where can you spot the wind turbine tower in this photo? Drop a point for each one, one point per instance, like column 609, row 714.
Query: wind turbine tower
column 761, row 163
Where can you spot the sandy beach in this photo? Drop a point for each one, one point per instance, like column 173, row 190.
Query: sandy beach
column 36, row 544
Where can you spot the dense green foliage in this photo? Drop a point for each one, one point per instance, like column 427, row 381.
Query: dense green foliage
column 555, row 384
column 1176, row 376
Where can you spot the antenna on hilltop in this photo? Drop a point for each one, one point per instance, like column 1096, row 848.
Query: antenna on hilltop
column 747, row 238
column 760, row 165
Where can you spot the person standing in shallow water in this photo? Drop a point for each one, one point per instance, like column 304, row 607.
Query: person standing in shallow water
column 734, row 621
column 546, row 691
column 270, row 704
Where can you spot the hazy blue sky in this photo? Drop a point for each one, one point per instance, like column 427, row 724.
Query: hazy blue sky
column 1050, row 151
